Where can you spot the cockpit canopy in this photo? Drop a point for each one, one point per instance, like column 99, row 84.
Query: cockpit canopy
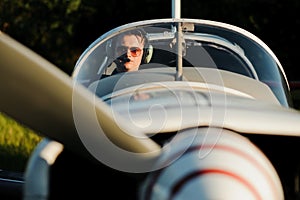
column 200, row 44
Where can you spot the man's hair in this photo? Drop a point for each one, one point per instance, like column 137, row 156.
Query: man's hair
column 136, row 32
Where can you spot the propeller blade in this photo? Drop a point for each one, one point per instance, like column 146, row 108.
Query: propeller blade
column 41, row 96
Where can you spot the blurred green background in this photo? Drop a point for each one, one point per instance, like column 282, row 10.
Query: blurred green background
column 60, row 30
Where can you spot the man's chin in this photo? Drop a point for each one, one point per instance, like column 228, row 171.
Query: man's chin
column 128, row 68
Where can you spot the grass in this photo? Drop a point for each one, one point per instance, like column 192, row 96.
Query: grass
column 16, row 144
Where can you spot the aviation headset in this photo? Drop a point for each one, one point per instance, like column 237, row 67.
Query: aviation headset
column 147, row 50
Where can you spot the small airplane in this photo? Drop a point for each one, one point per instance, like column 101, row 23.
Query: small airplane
column 208, row 115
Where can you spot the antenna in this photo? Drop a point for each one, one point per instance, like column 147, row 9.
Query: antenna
column 176, row 7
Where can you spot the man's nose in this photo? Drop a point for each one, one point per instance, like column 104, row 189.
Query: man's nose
column 128, row 53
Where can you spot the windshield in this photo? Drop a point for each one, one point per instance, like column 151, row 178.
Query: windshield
column 174, row 46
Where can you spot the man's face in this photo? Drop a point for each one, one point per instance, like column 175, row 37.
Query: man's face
column 129, row 50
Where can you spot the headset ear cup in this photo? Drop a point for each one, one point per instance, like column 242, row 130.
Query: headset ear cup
column 147, row 54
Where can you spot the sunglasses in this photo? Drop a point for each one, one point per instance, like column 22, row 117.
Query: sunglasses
column 134, row 51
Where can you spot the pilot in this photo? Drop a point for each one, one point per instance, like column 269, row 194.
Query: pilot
column 131, row 49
